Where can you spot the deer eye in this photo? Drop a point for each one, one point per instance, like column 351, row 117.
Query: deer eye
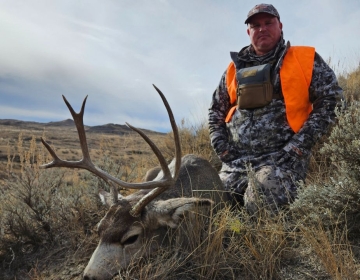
column 130, row 240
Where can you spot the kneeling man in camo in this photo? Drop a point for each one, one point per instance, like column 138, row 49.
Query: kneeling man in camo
column 272, row 105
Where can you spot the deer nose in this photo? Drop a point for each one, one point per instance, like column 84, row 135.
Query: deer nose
column 85, row 277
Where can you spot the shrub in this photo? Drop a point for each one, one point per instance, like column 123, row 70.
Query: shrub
column 336, row 201
column 42, row 212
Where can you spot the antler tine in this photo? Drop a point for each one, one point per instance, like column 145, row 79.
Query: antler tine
column 175, row 131
column 145, row 200
column 79, row 123
column 86, row 163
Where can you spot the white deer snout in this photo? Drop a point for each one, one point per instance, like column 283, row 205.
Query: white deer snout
column 105, row 262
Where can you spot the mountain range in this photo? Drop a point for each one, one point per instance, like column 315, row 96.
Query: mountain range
column 109, row 128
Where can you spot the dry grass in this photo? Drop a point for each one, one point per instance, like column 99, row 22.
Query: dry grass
column 57, row 242
column 47, row 217
column 333, row 251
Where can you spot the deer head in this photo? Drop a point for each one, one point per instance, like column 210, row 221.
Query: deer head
column 139, row 220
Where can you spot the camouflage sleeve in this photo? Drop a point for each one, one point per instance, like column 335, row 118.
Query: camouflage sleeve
column 325, row 94
column 218, row 110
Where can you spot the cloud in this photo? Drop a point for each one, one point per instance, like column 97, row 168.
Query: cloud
column 114, row 51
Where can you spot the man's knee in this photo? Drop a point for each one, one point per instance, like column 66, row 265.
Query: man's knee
column 270, row 187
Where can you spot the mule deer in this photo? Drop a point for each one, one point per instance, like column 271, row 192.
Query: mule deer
column 145, row 215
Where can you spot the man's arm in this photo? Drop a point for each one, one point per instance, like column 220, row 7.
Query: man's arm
column 218, row 110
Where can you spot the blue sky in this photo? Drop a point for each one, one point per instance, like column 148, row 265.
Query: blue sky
column 114, row 51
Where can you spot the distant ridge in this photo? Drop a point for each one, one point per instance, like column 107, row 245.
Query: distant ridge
column 109, row 128
column 12, row 122
column 68, row 122
column 112, row 128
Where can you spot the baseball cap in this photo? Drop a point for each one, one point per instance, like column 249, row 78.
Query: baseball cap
column 262, row 8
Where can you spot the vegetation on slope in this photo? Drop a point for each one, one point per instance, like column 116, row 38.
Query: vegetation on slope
column 48, row 217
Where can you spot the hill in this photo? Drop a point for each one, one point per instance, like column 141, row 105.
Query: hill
column 62, row 135
column 109, row 128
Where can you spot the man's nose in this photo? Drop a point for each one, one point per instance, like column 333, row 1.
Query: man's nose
column 263, row 27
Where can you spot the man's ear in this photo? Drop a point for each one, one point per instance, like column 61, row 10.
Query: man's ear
column 170, row 212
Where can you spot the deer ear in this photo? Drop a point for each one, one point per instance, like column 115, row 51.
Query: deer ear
column 170, row 212
column 107, row 198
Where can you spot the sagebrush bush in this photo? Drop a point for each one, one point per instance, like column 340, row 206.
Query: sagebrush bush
column 335, row 200
column 43, row 211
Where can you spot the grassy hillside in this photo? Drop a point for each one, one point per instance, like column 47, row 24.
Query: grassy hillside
column 48, row 217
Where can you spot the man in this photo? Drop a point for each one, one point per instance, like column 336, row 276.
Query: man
column 272, row 104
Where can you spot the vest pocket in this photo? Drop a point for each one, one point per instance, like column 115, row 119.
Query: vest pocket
column 254, row 95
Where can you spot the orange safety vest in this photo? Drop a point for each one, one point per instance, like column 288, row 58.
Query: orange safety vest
column 295, row 76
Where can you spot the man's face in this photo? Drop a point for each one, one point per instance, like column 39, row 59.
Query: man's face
column 264, row 31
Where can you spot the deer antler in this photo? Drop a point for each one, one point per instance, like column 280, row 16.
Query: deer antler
column 86, row 163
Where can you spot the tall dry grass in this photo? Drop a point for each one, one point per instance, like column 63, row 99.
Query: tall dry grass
column 47, row 217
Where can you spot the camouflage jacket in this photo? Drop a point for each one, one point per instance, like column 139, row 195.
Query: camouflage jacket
column 262, row 136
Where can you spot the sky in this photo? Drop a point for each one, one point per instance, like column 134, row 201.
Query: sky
column 114, row 50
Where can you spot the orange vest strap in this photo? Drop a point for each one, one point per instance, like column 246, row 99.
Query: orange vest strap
column 230, row 114
column 231, row 82
column 295, row 76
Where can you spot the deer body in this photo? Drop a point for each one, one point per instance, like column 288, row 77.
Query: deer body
column 136, row 225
